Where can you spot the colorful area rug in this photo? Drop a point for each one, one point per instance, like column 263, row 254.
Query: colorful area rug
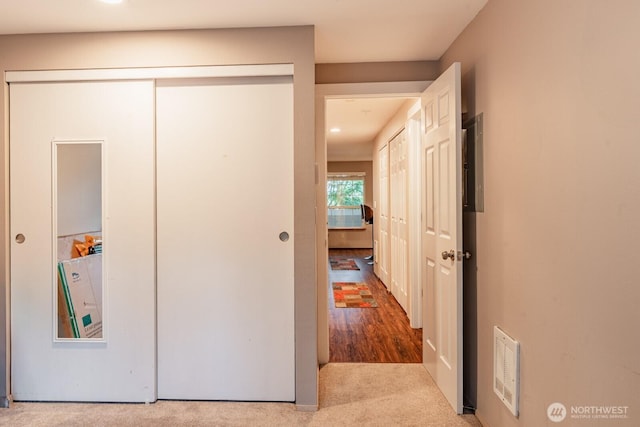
column 352, row 295
column 343, row 264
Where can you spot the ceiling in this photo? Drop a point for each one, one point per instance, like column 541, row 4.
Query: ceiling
column 359, row 120
column 345, row 31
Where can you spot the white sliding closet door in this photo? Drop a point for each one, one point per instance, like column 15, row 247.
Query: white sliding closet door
column 225, row 239
column 116, row 121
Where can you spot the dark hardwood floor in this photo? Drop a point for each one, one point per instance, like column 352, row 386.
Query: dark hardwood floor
column 369, row 335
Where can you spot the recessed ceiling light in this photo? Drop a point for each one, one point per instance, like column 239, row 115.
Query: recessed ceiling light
column 335, row 130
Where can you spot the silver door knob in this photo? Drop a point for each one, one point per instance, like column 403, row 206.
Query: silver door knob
column 450, row 254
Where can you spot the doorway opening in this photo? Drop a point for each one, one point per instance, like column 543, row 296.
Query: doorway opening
column 356, row 126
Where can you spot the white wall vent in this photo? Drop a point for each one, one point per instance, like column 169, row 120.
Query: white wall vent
column 506, row 369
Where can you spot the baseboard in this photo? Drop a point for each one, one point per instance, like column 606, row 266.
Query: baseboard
column 307, row 408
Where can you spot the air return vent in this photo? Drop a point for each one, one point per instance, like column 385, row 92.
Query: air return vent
column 506, row 369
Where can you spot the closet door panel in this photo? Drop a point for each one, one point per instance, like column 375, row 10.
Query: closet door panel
column 116, row 120
column 225, row 240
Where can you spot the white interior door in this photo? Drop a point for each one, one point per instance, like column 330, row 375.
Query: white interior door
column 225, row 240
column 442, row 234
column 399, row 232
column 382, row 258
column 118, row 118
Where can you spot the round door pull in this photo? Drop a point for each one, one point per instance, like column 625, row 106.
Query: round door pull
column 20, row 238
column 284, row 236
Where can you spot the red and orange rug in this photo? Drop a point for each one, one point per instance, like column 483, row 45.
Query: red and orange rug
column 343, row 264
column 353, row 295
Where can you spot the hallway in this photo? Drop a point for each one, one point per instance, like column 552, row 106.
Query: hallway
column 369, row 335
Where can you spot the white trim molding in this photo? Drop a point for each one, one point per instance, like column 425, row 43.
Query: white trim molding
column 263, row 70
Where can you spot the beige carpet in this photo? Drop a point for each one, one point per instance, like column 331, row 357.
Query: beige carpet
column 351, row 394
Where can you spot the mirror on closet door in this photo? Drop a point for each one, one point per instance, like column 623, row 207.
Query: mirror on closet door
column 78, row 233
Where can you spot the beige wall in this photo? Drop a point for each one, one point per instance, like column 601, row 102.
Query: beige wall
column 366, row 72
column 557, row 244
column 187, row 48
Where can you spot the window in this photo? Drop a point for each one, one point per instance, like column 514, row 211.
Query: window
column 345, row 194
